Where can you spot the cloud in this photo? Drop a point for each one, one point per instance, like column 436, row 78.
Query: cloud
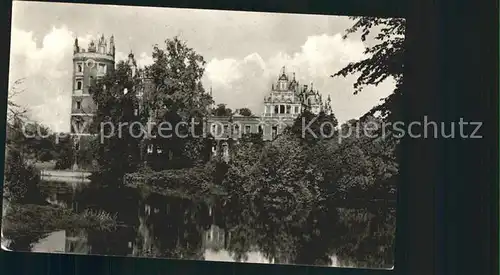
column 46, row 58
column 144, row 60
column 244, row 82
column 46, row 71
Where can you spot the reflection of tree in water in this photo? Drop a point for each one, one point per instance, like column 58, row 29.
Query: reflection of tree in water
column 64, row 194
column 24, row 242
column 117, row 243
column 171, row 228
column 367, row 237
column 357, row 237
column 158, row 226
column 316, row 242
column 77, row 241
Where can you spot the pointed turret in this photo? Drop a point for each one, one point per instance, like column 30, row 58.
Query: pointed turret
column 283, row 75
column 328, row 106
column 101, row 46
column 131, row 63
column 112, row 46
column 92, row 46
column 76, row 48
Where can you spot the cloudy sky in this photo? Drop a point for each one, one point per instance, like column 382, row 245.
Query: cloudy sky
column 244, row 52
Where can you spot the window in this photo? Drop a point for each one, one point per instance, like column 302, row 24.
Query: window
column 282, row 109
column 276, row 109
column 76, row 126
column 226, row 127
column 79, row 68
column 78, row 105
column 296, row 109
column 248, row 129
column 79, row 84
column 288, row 107
column 102, row 68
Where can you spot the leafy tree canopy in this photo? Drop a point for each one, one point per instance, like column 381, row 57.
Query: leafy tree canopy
column 221, row 110
column 384, row 60
column 176, row 72
column 245, row 112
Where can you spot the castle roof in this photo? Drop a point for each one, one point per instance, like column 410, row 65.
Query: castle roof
column 283, row 77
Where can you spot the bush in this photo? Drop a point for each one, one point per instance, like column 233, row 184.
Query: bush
column 189, row 182
column 21, row 180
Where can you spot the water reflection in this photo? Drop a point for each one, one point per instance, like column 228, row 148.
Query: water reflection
column 152, row 225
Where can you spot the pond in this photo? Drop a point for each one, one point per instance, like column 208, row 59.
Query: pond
column 152, row 225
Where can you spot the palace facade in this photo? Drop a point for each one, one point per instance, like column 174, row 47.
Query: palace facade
column 283, row 104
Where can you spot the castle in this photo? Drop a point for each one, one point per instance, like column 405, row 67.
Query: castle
column 284, row 102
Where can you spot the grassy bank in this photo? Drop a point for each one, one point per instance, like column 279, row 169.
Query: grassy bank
column 29, row 219
column 195, row 183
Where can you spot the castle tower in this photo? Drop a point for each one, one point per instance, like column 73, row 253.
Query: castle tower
column 132, row 63
column 283, row 101
column 312, row 100
column 88, row 66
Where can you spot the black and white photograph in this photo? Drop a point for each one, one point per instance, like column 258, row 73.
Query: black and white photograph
column 208, row 135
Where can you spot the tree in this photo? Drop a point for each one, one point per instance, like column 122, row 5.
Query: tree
column 15, row 111
column 176, row 72
column 283, row 184
column 312, row 128
column 363, row 164
column 245, row 112
column 178, row 99
column 117, row 151
column 384, row 61
column 221, row 110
